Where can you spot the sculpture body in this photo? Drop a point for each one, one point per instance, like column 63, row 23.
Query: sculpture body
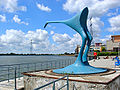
column 81, row 65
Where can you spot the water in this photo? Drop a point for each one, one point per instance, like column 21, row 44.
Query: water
column 30, row 63
column 5, row 60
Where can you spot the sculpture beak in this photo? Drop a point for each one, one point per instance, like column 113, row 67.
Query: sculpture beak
column 53, row 22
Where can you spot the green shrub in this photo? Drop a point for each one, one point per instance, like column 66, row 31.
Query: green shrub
column 107, row 53
column 96, row 51
column 114, row 53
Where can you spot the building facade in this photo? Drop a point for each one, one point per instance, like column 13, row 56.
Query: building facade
column 95, row 47
column 113, row 44
column 77, row 50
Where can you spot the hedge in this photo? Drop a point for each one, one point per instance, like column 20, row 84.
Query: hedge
column 107, row 53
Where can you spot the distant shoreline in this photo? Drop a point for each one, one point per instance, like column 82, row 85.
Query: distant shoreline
column 36, row 55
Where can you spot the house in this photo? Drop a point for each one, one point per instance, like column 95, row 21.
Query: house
column 97, row 47
column 114, row 43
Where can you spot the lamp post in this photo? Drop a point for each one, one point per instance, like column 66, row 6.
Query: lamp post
column 118, row 49
column 91, row 31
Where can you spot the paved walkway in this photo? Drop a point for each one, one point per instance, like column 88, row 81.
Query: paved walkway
column 106, row 63
column 5, row 85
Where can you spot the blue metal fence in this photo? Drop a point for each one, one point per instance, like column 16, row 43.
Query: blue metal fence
column 74, row 87
column 14, row 71
column 7, row 71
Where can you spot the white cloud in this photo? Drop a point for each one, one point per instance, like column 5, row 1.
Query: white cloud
column 18, row 20
column 61, row 38
column 96, row 7
column 114, row 23
column 37, row 36
column 108, row 36
column 76, row 40
column 19, row 42
column 65, row 43
column 12, row 36
column 2, row 18
column 96, row 26
column 11, row 6
column 43, row 8
column 102, row 39
column 51, row 32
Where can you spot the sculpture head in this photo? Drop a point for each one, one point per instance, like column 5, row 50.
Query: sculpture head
column 77, row 22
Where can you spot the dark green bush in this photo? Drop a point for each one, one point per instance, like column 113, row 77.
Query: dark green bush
column 114, row 53
column 107, row 53
column 96, row 51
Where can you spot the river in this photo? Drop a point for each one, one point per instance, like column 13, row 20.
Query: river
column 5, row 60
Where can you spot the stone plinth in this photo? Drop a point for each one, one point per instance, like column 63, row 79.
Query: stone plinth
column 105, row 81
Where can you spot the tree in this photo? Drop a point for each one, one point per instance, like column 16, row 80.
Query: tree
column 103, row 48
column 66, row 53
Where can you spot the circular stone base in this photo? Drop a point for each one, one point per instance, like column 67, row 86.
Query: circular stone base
column 108, row 72
column 79, row 69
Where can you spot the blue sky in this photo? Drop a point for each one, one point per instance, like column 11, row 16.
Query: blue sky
column 23, row 20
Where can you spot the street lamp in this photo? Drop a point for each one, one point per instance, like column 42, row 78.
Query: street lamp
column 119, row 50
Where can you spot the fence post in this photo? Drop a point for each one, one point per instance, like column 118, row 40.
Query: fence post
column 51, row 65
column 55, row 64
column 67, row 83
column 35, row 66
column 47, row 65
column 8, row 74
column 65, row 63
column 62, row 63
column 54, row 86
column 19, row 72
column 28, row 66
column 15, row 80
column 73, row 86
column 41, row 66
column 59, row 64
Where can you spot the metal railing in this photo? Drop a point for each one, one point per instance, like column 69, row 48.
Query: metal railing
column 11, row 70
column 67, row 84
column 8, row 72
column 74, row 87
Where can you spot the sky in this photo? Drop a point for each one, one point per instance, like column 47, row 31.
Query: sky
column 23, row 20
